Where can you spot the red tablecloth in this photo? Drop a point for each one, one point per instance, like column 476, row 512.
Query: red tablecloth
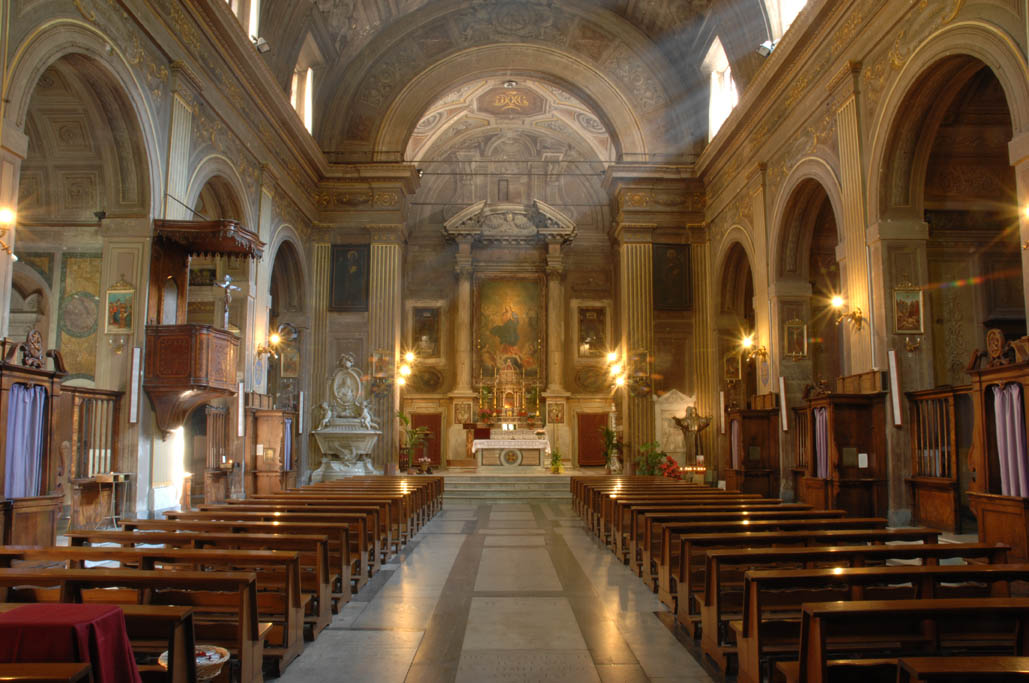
column 57, row 632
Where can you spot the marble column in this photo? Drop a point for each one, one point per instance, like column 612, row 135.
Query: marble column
column 705, row 347
column 320, row 361
column 13, row 148
column 463, row 335
column 384, row 323
column 555, row 320
column 636, row 313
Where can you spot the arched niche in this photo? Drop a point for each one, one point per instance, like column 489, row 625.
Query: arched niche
column 736, row 321
column 288, row 313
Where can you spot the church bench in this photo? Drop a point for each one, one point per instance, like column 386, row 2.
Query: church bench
column 46, row 672
column 424, row 498
column 773, row 601
column 909, row 631
column 279, row 598
column 316, row 578
column 378, row 517
column 342, row 559
column 363, row 548
column 224, row 603
column 153, row 629
column 721, row 598
column 395, row 527
column 605, row 506
column 620, row 514
column 628, row 515
column 694, row 547
column 406, row 511
column 587, row 495
column 660, row 554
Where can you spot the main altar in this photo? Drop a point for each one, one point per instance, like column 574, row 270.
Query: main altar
column 512, row 448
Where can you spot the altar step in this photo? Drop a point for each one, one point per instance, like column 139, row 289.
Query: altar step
column 482, row 488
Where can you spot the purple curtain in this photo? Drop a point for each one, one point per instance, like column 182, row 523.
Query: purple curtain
column 734, row 428
column 1011, row 450
column 822, row 443
column 287, row 445
column 26, row 428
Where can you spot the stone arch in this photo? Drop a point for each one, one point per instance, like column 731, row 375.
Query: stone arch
column 63, row 37
column 949, row 52
column 287, row 246
column 216, row 173
column 629, row 132
column 809, row 176
column 737, row 238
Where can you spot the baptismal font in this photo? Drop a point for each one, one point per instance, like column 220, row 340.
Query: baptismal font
column 344, row 426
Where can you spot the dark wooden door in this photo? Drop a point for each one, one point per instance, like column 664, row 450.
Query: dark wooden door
column 434, row 421
column 591, row 442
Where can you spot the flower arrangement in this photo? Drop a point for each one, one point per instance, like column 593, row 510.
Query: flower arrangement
column 670, row 468
column 424, row 464
column 649, row 459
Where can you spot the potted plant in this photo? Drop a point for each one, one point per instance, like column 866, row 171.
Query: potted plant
column 415, row 438
column 650, row 458
column 555, row 461
column 612, row 448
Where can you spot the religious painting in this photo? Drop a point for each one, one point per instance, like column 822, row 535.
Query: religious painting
column 425, row 332
column 119, row 309
column 289, row 361
column 795, row 339
column 555, row 412
column 671, row 268
column 592, row 332
column 733, row 367
column 907, row 310
column 202, row 277
column 462, row 412
column 348, row 288
column 509, row 332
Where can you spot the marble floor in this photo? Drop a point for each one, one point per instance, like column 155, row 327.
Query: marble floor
column 501, row 592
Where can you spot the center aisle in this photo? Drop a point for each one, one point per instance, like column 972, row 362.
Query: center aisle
column 500, row 592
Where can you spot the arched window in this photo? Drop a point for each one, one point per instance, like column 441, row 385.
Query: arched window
column 781, row 14
column 247, row 11
column 724, row 96
column 302, row 91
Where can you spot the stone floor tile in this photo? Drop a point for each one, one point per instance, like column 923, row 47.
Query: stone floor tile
column 505, row 666
column 621, row 673
column 513, row 540
column 516, row 569
column 522, row 624
column 408, row 613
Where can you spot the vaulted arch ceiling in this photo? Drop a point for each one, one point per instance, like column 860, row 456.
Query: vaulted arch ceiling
column 635, row 62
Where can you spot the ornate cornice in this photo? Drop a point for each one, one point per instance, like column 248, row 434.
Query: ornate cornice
column 510, row 224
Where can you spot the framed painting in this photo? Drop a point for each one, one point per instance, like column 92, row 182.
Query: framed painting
column 119, row 308
column 908, row 307
column 509, row 327
column 592, row 340
column 348, row 286
column 733, row 367
column 671, row 276
column 555, row 412
column 795, row 339
column 425, row 332
column 289, row 361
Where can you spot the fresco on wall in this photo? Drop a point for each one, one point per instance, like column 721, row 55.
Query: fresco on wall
column 509, row 326
column 78, row 314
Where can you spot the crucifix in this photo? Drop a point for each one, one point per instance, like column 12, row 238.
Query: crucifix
column 229, row 288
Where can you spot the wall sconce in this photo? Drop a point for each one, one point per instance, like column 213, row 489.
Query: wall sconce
column 285, row 332
column 855, row 316
column 912, row 344
column 7, row 218
column 751, row 350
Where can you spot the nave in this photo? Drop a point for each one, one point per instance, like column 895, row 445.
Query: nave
column 501, row 592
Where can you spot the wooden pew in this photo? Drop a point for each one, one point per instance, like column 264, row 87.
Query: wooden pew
column 962, row 669
column 316, row 578
column 426, row 498
column 224, row 603
column 721, row 600
column 402, row 512
column 609, row 505
column 897, row 628
column 368, row 543
column 46, row 672
column 773, row 599
column 663, row 558
column 153, row 629
column 338, row 535
column 279, row 600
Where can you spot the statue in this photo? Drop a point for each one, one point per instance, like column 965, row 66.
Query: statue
column 691, row 425
column 229, row 288
column 367, row 420
column 344, row 426
column 321, row 416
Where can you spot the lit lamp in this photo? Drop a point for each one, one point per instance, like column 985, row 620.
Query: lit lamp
column 751, row 349
column 285, row 332
column 855, row 316
column 7, row 218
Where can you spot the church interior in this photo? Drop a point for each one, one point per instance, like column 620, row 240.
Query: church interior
column 473, row 340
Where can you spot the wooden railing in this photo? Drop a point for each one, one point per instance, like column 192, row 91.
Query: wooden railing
column 934, row 447
column 217, row 435
column 801, row 457
column 95, row 430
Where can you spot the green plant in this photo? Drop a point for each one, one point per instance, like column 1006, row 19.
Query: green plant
column 650, row 457
column 555, row 459
column 415, row 437
column 612, row 444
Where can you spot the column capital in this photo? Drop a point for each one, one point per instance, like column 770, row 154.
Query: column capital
column 634, row 233
column 387, row 233
column 844, row 82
